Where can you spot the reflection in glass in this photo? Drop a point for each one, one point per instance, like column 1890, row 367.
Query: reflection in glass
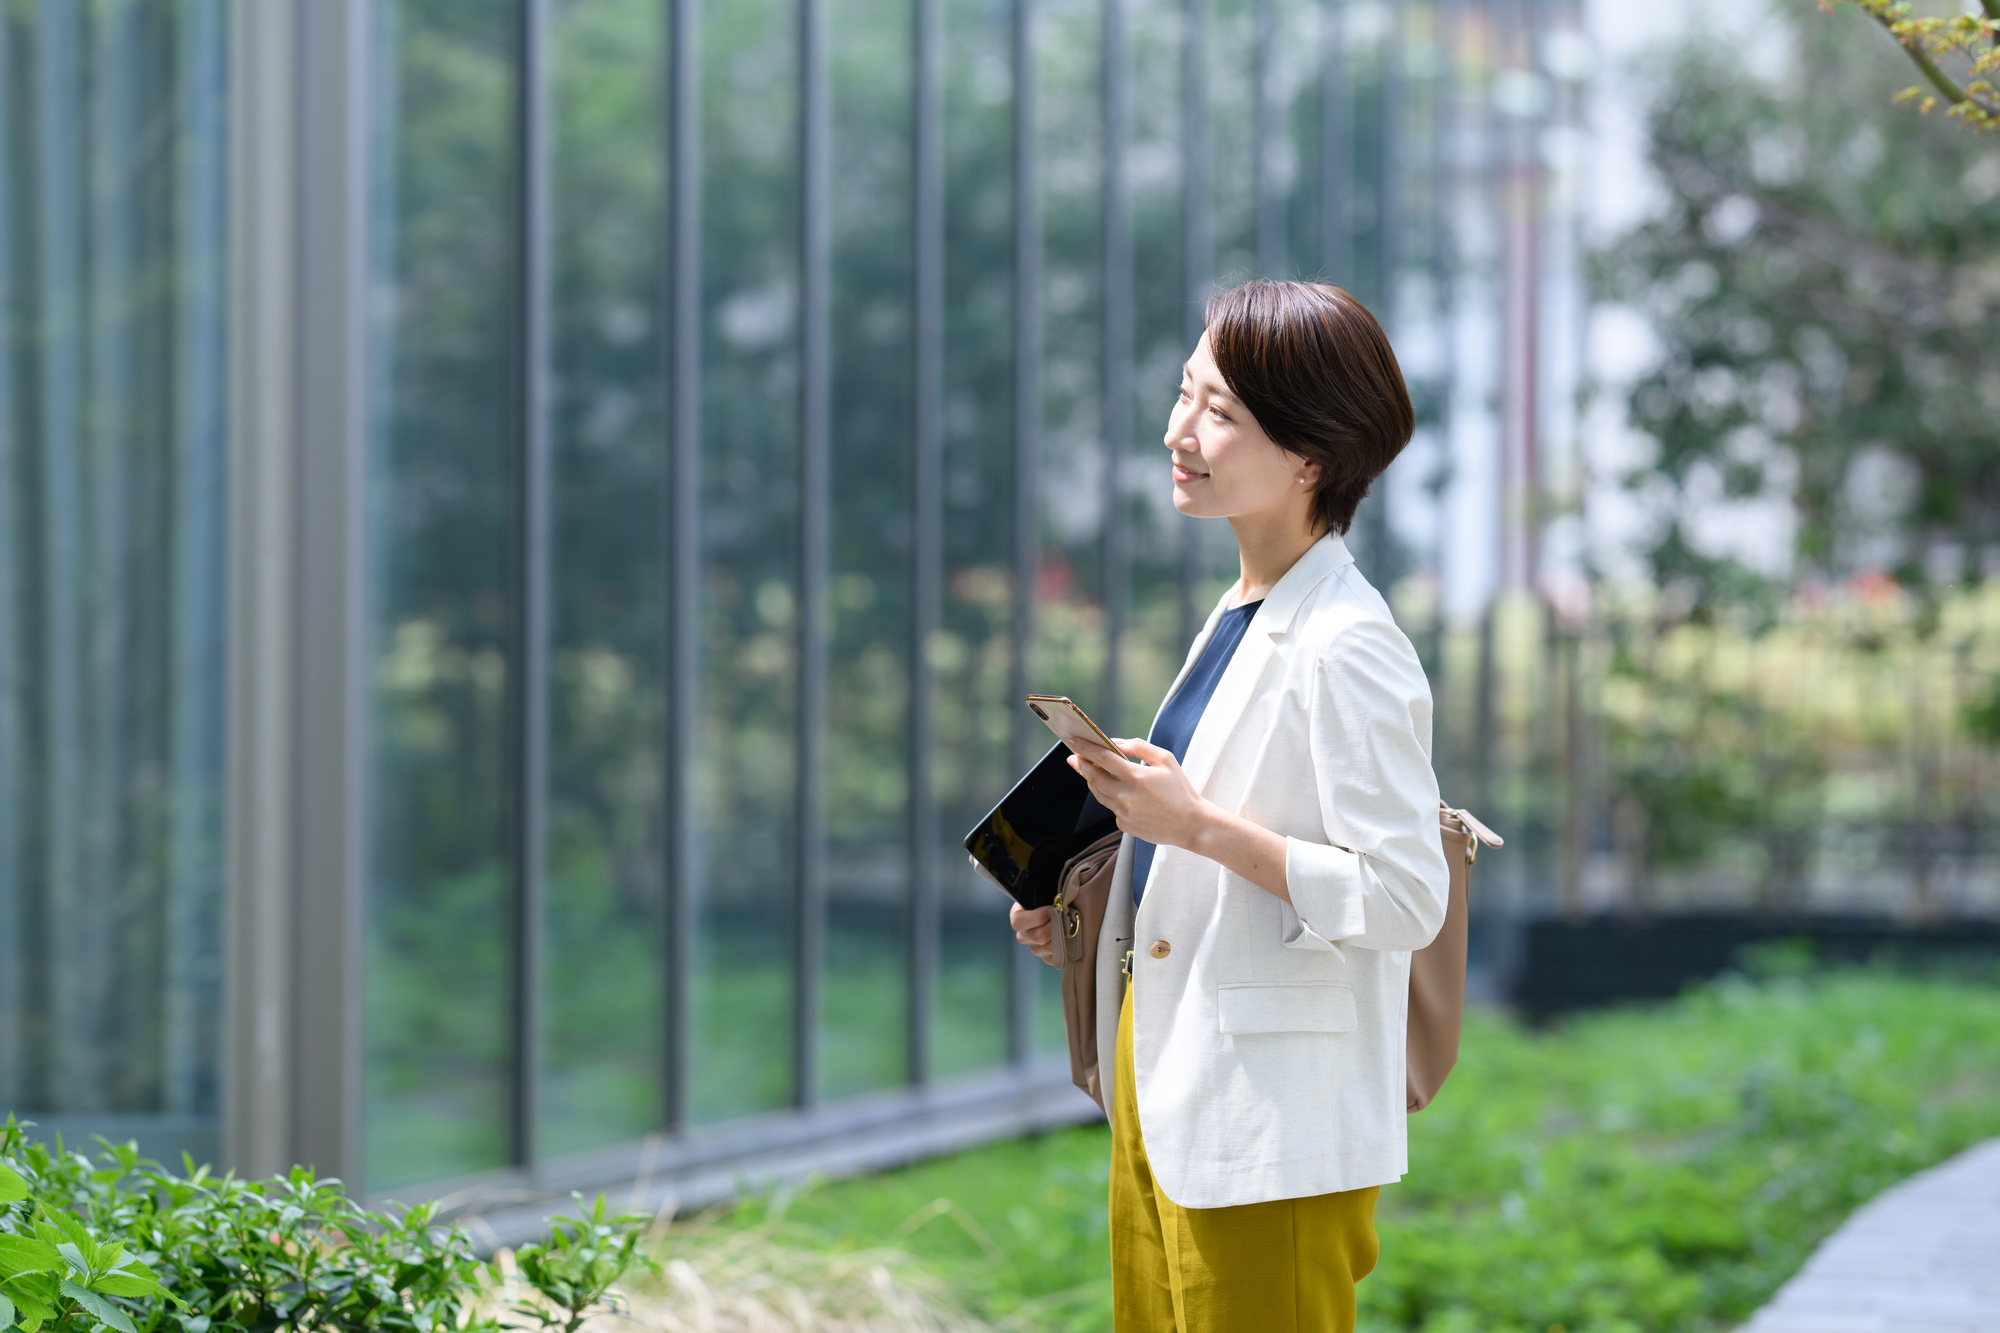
column 865, row 1013
column 973, row 656
column 440, row 542
column 1154, row 644
column 602, row 995
column 746, row 778
column 1071, row 638
column 112, row 510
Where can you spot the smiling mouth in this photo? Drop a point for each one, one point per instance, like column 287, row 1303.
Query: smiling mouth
column 1188, row 474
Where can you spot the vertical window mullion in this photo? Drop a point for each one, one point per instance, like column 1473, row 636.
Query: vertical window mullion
column 1336, row 152
column 1115, row 351
column 532, row 555
column 1388, row 85
column 1197, row 253
column 12, row 550
column 1268, row 200
column 681, row 414
column 58, row 275
column 1027, row 391
column 815, row 479
column 926, row 493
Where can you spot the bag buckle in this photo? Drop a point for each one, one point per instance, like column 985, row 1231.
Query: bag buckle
column 1476, row 833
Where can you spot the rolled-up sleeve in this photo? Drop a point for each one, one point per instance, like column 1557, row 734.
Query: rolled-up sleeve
column 1379, row 880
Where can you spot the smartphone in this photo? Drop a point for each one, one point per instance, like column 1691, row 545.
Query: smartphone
column 1071, row 724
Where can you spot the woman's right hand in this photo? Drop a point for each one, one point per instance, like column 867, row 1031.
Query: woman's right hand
column 1032, row 929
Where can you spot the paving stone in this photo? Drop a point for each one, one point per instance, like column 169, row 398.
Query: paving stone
column 1921, row 1257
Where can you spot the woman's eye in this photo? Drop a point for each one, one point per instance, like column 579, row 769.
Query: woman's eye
column 1218, row 414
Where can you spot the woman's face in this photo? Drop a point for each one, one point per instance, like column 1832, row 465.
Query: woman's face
column 1225, row 466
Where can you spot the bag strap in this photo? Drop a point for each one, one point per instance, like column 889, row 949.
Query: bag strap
column 1477, row 831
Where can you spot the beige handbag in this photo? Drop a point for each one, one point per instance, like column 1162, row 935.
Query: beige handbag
column 1437, row 971
column 1076, row 918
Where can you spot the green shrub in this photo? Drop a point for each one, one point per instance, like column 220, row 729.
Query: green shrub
column 1666, row 1168
column 1658, row 1169
column 120, row 1244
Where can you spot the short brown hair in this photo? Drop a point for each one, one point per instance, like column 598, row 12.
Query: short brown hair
column 1316, row 370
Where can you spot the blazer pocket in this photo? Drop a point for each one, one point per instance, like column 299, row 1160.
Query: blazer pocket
column 1269, row 1006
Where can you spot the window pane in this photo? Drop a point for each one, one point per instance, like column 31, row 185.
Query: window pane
column 1070, row 632
column 865, row 1014
column 1156, row 639
column 112, row 511
column 440, row 539
column 602, row 994
column 746, row 782
column 973, row 658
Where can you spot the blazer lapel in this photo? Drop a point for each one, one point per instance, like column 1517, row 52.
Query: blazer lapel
column 1239, row 682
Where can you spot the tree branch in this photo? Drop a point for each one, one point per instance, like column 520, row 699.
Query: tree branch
column 1951, row 92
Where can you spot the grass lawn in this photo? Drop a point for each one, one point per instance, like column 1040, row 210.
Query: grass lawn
column 1660, row 1168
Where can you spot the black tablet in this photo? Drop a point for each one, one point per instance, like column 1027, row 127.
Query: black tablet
column 1025, row 841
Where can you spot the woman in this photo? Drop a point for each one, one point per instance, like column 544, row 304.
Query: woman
column 1281, row 856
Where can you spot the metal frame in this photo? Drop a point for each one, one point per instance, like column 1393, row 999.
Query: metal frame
column 682, row 539
column 298, row 630
column 1023, row 980
column 1375, row 542
column 926, row 519
column 1115, row 370
column 528, row 683
column 1336, row 171
column 11, row 1035
column 1269, row 203
column 256, row 998
column 815, row 553
column 1388, row 203
column 1197, row 251
column 331, row 612
column 58, row 225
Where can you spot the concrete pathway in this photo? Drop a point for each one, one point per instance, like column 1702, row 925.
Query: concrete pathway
column 1921, row 1257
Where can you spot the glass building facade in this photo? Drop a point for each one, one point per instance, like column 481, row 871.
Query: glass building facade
column 523, row 527
column 112, row 538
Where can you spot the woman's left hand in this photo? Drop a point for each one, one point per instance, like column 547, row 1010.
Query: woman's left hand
column 1156, row 802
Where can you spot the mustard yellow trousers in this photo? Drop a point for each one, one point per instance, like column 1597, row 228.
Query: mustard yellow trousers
column 1287, row 1266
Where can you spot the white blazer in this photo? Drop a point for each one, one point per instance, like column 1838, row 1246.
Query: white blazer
column 1268, row 1040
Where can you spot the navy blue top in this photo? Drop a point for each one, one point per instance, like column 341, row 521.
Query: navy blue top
column 1182, row 713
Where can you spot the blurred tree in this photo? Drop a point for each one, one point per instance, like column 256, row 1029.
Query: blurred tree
column 1825, row 284
column 1936, row 45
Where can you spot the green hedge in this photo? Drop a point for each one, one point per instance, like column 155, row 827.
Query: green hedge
column 120, row 1244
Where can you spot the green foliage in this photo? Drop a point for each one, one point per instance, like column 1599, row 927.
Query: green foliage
column 120, row 1244
column 1736, row 754
column 1666, row 1169
column 573, row 1271
column 1821, row 282
column 1935, row 46
column 1981, row 717
column 1656, row 1170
